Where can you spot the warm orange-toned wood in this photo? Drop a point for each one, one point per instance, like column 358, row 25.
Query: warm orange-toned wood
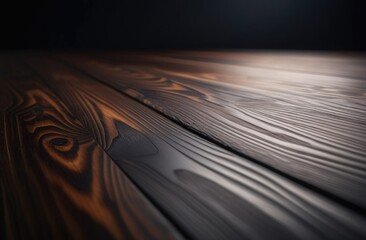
column 56, row 180
column 208, row 192
column 136, row 146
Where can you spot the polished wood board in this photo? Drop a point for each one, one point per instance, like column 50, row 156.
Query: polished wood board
column 174, row 145
column 308, row 126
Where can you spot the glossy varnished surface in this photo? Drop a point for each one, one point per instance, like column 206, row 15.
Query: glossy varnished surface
column 307, row 125
column 202, row 145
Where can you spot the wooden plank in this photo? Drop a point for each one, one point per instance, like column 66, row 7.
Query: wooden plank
column 56, row 181
column 348, row 64
column 207, row 191
column 311, row 128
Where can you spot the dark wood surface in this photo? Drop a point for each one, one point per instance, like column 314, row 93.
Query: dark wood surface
column 308, row 126
column 172, row 145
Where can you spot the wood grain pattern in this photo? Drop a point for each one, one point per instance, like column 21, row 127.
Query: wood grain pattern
column 308, row 126
column 208, row 192
column 56, row 181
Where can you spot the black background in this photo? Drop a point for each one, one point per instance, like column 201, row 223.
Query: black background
column 176, row 24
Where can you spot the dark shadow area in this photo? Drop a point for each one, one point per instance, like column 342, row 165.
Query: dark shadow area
column 183, row 24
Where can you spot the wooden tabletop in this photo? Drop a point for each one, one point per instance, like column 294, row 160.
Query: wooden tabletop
column 182, row 145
